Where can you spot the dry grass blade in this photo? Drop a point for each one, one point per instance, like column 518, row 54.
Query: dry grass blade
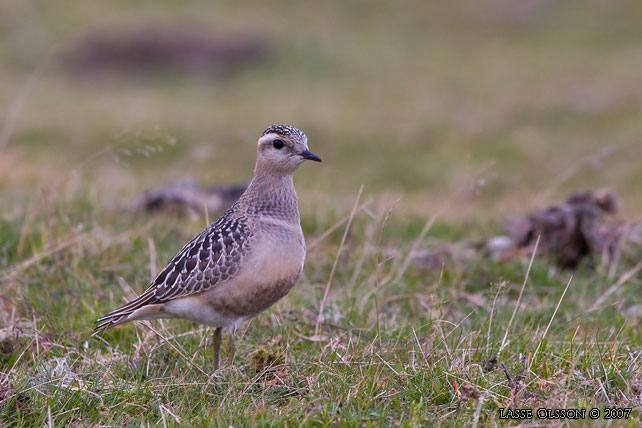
column 612, row 289
column 519, row 298
column 336, row 260
column 492, row 312
column 335, row 226
column 176, row 418
column 428, row 225
column 480, row 404
column 182, row 354
column 444, row 338
column 418, row 240
column 559, row 302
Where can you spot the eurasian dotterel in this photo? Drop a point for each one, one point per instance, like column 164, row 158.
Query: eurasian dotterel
column 244, row 262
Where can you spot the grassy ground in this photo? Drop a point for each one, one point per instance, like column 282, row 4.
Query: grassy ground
column 467, row 111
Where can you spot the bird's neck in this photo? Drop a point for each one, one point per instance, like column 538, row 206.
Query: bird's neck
column 272, row 194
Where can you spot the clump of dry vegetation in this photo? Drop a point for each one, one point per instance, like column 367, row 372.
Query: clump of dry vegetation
column 188, row 198
column 577, row 229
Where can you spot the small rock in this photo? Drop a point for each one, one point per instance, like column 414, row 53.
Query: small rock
column 498, row 246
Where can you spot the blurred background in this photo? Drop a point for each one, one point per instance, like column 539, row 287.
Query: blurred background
column 513, row 103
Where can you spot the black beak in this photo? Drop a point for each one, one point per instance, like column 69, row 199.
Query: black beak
column 307, row 154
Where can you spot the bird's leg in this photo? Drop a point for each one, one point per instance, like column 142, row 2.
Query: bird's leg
column 216, row 346
column 231, row 349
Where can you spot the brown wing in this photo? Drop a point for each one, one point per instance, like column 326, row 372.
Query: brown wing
column 211, row 257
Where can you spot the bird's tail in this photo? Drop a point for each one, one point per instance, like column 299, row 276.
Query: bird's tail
column 122, row 314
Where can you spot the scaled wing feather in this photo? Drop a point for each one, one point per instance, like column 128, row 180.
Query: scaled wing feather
column 211, row 257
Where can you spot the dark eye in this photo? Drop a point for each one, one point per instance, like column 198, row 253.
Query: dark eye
column 278, row 144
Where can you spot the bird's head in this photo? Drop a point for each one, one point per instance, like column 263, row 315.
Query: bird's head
column 282, row 149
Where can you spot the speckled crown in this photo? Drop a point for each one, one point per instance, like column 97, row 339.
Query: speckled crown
column 285, row 131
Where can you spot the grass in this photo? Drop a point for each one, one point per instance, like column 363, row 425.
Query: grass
column 466, row 113
column 408, row 348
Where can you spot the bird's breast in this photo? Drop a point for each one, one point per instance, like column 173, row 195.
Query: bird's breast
column 279, row 252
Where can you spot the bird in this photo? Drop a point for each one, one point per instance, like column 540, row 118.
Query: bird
column 241, row 264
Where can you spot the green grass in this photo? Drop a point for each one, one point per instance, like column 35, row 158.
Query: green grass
column 390, row 351
column 468, row 111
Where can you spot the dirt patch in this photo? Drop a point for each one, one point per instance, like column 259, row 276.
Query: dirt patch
column 152, row 50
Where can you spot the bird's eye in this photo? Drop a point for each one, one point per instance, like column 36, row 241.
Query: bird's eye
column 278, row 144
